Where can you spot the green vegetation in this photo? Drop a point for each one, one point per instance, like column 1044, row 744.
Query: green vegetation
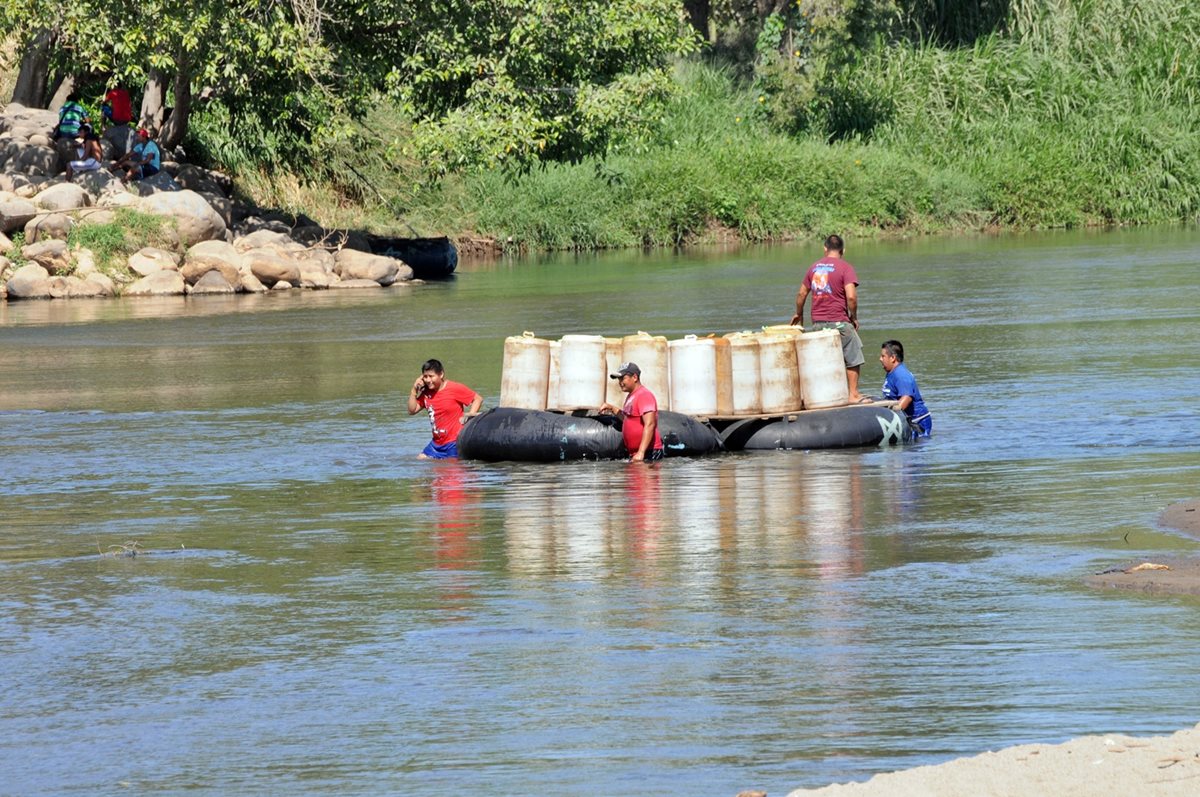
column 113, row 242
column 558, row 124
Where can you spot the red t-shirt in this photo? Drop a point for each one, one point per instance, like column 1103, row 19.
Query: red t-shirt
column 122, row 110
column 446, row 409
column 826, row 280
column 638, row 403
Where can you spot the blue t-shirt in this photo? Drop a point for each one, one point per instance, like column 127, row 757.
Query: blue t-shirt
column 901, row 382
column 141, row 150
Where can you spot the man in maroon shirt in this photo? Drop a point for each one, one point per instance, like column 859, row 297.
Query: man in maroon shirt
column 834, row 288
column 639, row 424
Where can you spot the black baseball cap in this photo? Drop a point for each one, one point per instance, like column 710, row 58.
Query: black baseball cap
column 626, row 369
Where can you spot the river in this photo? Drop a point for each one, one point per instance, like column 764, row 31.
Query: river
column 313, row 611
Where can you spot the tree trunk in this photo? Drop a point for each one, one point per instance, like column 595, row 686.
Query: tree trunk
column 698, row 12
column 175, row 127
column 61, row 88
column 34, row 73
column 152, row 101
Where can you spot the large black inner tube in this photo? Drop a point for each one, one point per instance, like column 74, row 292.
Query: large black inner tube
column 854, row 426
column 508, row 433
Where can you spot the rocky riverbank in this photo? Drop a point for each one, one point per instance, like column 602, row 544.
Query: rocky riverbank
column 211, row 244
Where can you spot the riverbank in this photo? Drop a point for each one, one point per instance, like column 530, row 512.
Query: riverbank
column 1172, row 575
column 1157, row 766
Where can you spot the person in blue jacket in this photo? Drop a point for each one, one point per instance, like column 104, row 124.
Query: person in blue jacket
column 900, row 385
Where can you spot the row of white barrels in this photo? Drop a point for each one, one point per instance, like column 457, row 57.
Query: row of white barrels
column 778, row 370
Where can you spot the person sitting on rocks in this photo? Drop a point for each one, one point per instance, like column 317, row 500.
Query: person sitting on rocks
column 116, row 109
column 71, row 116
column 143, row 161
column 88, row 153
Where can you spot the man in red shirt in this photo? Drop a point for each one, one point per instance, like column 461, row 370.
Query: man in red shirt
column 834, row 288
column 639, row 424
column 445, row 401
column 117, row 108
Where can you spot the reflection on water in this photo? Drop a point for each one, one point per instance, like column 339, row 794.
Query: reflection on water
column 318, row 612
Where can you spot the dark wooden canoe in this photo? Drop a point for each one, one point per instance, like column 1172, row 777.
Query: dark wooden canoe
column 429, row 258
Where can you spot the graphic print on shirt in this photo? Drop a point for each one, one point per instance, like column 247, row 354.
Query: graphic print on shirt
column 820, row 279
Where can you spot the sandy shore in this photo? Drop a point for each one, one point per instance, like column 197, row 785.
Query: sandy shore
column 1091, row 766
column 1162, row 575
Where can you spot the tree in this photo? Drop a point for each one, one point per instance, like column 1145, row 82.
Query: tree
column 501, row 82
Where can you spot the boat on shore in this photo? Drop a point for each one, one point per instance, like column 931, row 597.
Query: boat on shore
column 429, row 258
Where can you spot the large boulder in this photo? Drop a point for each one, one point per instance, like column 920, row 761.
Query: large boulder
column 103, row 283
column 90, row 288
column 270, row 268
column 51, row 255
column 160, row 283
column 63, row 196
column 15, row 213
column 195, row 220
column 148, row 260
column 157, row 184
column 52, row 225
column 6, row 245
column 31, row 281
column 208, row 256
column 263, row 239
column 120, row 138
column 222, row 204
column 248, row 283
column 213, row 282
column 352, row 264
column 199, row 180
column 100, row 182
column 34, row 160
column 118, row 199
column 312, row 275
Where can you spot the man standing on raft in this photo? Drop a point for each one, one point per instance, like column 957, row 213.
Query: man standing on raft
column 445, row 401
column 834, row 288
column 639, row 416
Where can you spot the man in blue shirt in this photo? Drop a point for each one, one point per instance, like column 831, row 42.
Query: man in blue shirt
column 900, row 385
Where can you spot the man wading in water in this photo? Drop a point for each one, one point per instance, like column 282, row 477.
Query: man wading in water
column 445, row 401
column 639, row 416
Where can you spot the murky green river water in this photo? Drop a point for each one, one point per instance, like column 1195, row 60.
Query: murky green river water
column 319, row 613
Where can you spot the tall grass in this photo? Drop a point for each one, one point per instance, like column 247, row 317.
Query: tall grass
column 1075, row 112
column 1084, row 116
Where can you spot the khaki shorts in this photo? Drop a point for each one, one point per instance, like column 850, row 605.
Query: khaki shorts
column 852, row 351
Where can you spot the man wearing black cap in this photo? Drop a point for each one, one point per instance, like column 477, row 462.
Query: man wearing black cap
column 639, row 416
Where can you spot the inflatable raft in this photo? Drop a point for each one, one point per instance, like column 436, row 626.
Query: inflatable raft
column 519, row 435
column 853, row 426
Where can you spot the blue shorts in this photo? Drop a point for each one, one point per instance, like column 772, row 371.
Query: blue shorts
column 448, row 451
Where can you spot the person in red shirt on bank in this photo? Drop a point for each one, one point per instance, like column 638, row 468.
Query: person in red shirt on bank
column 445, row 401
column 117, row 109
column 639, row 416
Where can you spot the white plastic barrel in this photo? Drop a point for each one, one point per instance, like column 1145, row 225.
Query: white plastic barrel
column 613, row 357
column 694, row 376
column 779, row 369
column 745, row 373
column 822, row 369
column 581, row 373
column 650, row 354
column 552, row 389
column 525, row 376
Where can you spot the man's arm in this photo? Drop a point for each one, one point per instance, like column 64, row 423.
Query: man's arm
column 476, row 403
column 417, row 389
column 801, row 298
column 852, row 303
column 905, row 402
column 649, row 425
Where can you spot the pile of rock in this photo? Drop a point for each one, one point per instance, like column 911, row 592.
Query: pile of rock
column 216, row 246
